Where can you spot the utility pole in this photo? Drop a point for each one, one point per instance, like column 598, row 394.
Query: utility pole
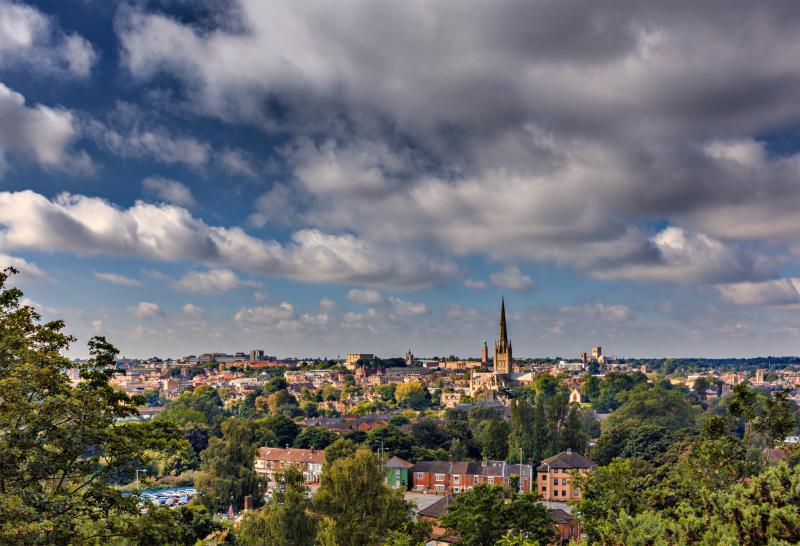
column 521, row 472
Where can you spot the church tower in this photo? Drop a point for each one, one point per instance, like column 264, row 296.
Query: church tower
column 502, row 347
column 484, row 354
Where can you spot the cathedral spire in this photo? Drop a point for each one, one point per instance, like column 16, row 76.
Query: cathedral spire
column 503, row 336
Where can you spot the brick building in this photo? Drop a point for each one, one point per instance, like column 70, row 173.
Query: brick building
column 555, row 476
column 447, row 477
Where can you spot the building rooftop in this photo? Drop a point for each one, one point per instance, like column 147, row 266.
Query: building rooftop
column 292, row 455
column 566, row 460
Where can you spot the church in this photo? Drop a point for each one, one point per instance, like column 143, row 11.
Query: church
column 502, row 374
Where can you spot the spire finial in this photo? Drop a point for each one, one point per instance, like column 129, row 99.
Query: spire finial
column 503, row 335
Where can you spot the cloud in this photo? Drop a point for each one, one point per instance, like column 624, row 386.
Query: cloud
column 364, row 296
column 115, row 278
column 327, row 304
column 169, row 191
column 89, row 225
column 681, row 256
column 408, row 308
column 38, row 134
column 213, row 281
column 606, row 312
column 544, row 136
column 236, row 162
column 32, row 41
column 192, row 310
column 512, row 278
column 464, row 313
column 265, row 313
column 475, row 284
column 129, row 139
column 146, row 310
column 773, row 292
column 27, row 271
column 276, row 206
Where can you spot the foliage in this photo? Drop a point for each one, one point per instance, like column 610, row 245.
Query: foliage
column 62, row 445
column 314, row 437
column 285, row 521
column 359, row 507
column 227, row 472
column 203, row 406
column 487, row 512
column 391, row 439
column 412, row 394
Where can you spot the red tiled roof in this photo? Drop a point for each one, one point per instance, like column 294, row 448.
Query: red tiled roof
column 292, row 455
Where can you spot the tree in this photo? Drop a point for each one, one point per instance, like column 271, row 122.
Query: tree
column 314, row 437
column 203, row 406
column 275, row 430
column 492, row 435
column 426, row 432
column 458, row 451
column 487, row 512
column 286, row 521
column 61, row 445
column 227, row 472
column 778, row 418
column 412, row 394
column 359, row 507
column 342, row 448
column 282, row 401
column 391, row 439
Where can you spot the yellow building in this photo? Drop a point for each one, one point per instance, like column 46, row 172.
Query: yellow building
column 556, row 476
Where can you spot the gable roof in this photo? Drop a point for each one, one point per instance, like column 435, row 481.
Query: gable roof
column 567, row 460
column 397, row 462
column 292, row 455
column 437, row 509
column 559, row 515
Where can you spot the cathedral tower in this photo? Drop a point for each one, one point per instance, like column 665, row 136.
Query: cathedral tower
column 502, row 347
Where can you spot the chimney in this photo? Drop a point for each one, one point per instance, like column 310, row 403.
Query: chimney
column 569, row 451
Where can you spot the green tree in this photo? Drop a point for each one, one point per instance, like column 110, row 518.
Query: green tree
column 227, row 472
column 285, row 521
column 314, row 437
column 359, row 507
column 393, row 441
column 492, row 436
column 203, row 406
column 62, row 445
column 412, row 394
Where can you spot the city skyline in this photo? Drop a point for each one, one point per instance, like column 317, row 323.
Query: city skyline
column 246, row 175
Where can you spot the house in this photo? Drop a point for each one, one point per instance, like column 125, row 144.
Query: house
column 447, row 477
column 433, row 514
column 566, row 526
column 397, row 473
column 556, row 476
column 308, row 461
column 576, row 397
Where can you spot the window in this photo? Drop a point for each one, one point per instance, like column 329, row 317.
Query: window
column 555, row 481
column 476, row 478
column 439, row 487
column 563, row 481
column 456, row 478
column 490, row 480
column 439, row 477
column 419, row 487
column 420, row 475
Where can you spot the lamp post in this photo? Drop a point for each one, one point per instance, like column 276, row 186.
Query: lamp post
column 521, row 473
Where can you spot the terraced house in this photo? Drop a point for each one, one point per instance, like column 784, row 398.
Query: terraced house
column 447, row 477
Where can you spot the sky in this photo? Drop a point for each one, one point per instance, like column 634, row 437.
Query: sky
column 314, row 178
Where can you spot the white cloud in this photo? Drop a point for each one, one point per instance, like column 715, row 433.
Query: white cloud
column 192, row 310
column 475, row 284
column 408, row 308
column 364, row 296
column 266, row 313
column 464, row 313
column 169, row 191
column 87, row 225
column 32, row 41
column 276, row 206
column 773, row 292
column 39, row 134
column 115, row 278
column 145, row 310
column 130, row 140
column 681, row 256
column 327, row 304
column 236, row 162
column 213, row 281
column 27, row 271
column 607, row 312
column 513, row 279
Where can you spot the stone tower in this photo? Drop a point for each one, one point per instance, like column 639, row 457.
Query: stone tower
column 502, row 347
column 484, row 354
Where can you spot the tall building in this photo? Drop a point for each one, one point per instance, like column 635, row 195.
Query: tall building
column 484, row 354
column 502, row 347
column 597, row 352
column 409, row 358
